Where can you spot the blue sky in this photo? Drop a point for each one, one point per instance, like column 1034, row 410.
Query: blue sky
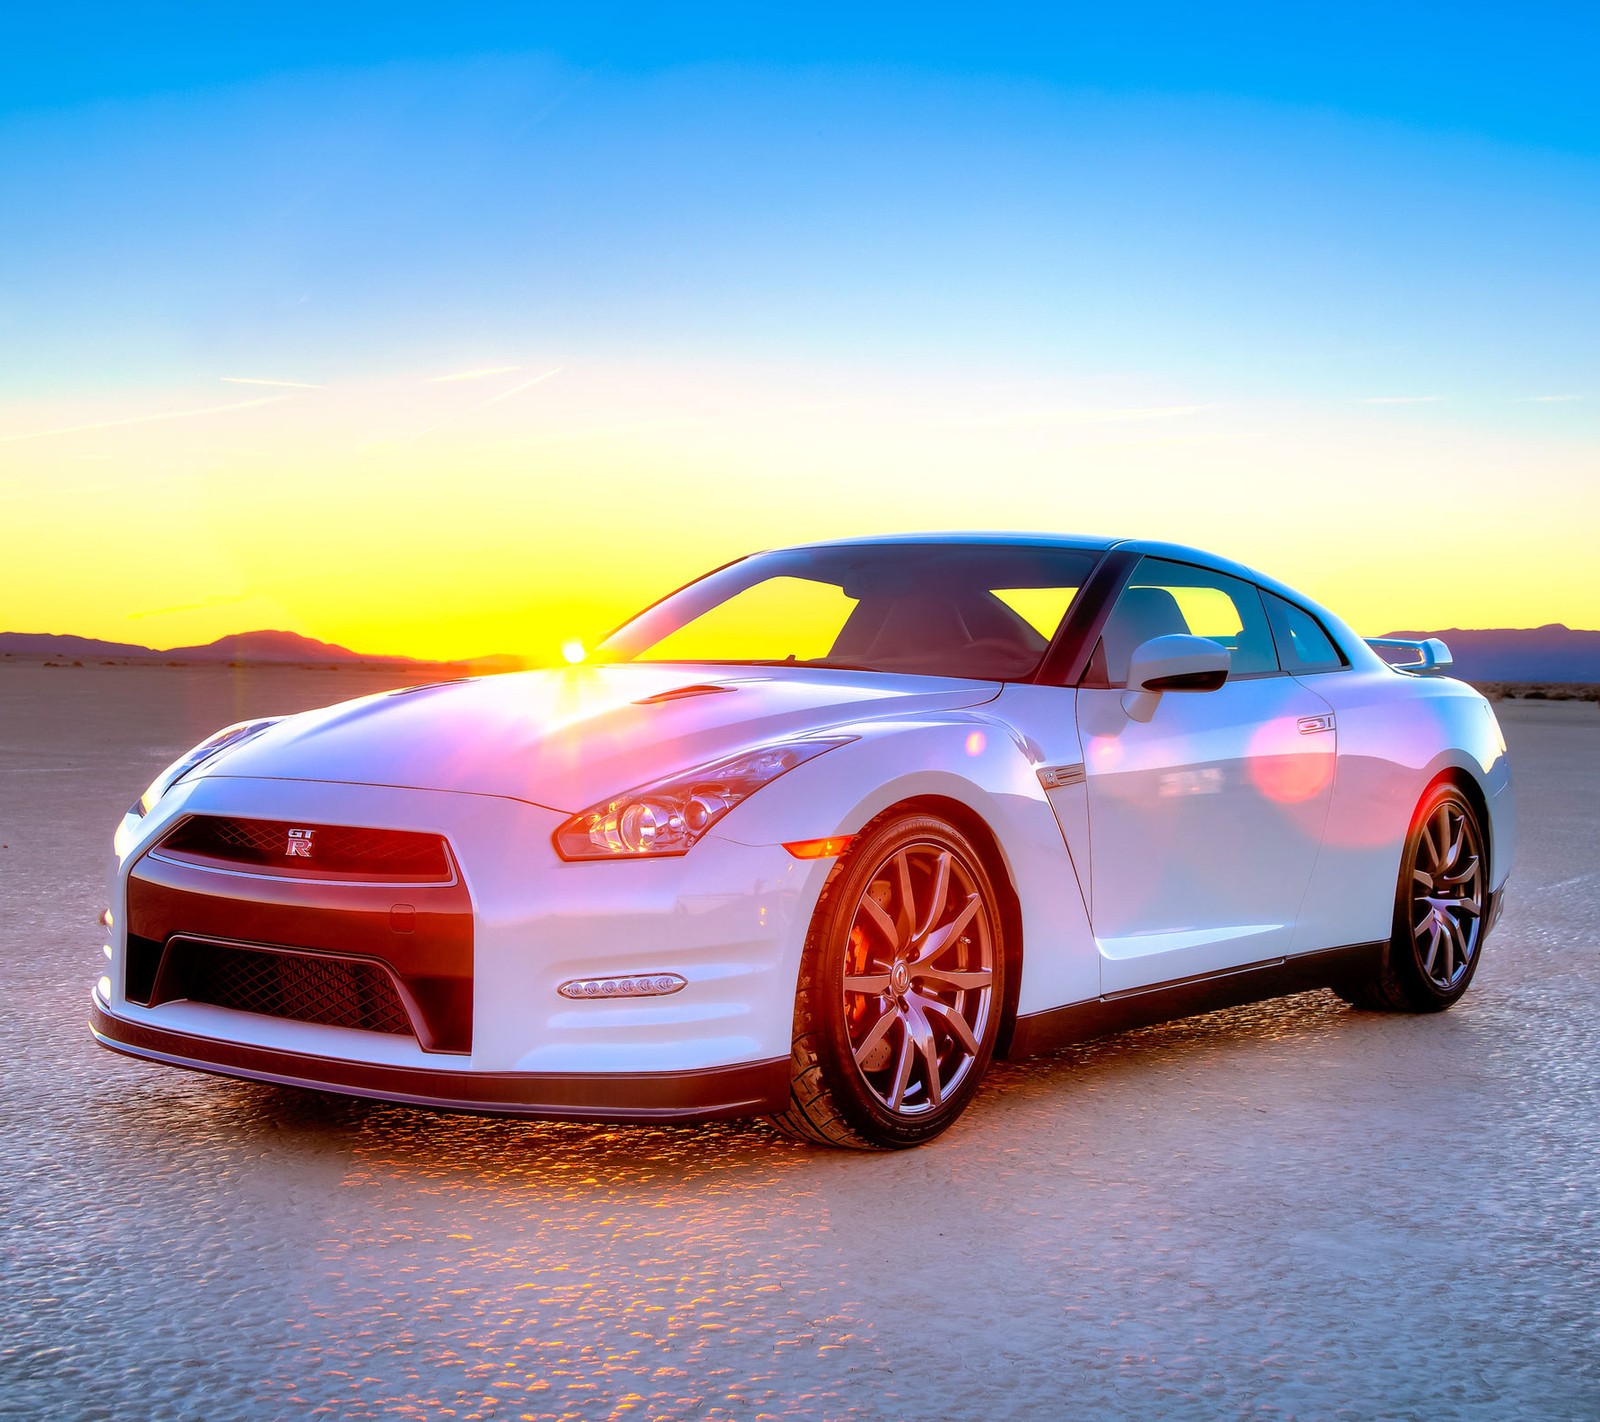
column 1353, row 238
column 1372, row 194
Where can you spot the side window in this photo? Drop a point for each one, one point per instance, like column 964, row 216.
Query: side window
column 1163, row 598
column 1303, row 645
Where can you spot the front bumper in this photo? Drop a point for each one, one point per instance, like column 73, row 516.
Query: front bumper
column 711, row 1093
column 730, row 920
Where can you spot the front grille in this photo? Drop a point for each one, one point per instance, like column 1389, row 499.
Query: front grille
column 335, row 992
column 312, row 851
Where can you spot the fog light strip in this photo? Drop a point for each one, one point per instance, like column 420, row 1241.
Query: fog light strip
column 640, row 985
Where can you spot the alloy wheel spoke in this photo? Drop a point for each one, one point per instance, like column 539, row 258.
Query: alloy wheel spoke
column 880, row 1030
column 902, row 1073
column 867, row 983
column 1456, row 844
column 878, row 916
column 906, row 916
column 941, row 939
column 958, row 1025
column 1460, row 948
column 960, row 979
column 1426, row 846
column 920, row 1031
column 1433, row 945
column 937, row 897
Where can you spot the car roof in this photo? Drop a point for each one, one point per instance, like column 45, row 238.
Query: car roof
column 971, row 539
column 1176, row 552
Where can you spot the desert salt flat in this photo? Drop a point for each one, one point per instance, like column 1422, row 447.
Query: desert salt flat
column 1286, row 1210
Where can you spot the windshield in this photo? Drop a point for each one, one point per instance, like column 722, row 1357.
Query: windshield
column 984, row 611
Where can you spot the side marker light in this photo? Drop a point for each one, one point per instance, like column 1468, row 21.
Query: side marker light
column 830, row 848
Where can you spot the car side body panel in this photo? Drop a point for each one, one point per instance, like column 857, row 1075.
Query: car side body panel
column 976, row 760
column 1397, row 734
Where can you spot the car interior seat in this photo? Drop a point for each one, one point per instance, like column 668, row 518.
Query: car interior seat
column 1140, row 614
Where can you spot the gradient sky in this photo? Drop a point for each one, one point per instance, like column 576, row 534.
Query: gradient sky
column 449, row 330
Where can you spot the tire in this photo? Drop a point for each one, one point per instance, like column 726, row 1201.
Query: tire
column 1437, row 935
column 901, row 989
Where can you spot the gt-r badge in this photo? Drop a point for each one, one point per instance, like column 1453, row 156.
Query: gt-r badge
column 298, row 844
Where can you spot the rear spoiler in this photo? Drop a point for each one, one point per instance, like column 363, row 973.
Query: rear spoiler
column 1432, row 656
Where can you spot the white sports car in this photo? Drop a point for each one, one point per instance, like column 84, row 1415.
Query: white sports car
column 817, row 837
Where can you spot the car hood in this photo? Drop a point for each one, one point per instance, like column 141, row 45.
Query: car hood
column 567, row 739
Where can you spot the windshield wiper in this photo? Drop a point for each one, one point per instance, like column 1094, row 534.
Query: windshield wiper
column 828, row 664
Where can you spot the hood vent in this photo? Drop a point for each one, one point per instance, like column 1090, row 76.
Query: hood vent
column 704, row 688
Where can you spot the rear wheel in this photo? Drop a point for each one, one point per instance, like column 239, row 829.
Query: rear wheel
column 900, row 990
column 1438, row 917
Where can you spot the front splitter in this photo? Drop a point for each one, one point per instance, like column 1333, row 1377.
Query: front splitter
column 707, row 1094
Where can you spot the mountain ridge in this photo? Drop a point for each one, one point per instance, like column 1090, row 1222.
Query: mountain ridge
column 264, row 647
column 1553, row 652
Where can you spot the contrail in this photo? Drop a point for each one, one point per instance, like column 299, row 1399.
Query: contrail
column 144, row 419
column 287, row 384
column 471, row 374
column 518, row 389
column 492, row 400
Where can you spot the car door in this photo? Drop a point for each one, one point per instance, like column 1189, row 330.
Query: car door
column 1204, row 821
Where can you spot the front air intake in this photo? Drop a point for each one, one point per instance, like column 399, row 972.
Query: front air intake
column 303, row 987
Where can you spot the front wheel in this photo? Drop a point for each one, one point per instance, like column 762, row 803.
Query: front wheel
column 900, row 991
column 1438, row 916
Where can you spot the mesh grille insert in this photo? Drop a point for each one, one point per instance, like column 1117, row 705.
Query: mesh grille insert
column 313, row 850
column 335, row 992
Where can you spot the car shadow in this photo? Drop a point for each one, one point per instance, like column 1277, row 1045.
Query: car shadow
column 394, row 1140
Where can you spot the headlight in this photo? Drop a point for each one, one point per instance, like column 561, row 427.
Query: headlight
column 668, row 816
column 229, row 736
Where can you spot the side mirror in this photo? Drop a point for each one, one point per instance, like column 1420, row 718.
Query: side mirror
column 1175, row 663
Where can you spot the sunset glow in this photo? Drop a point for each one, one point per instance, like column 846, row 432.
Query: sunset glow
column 537, row 341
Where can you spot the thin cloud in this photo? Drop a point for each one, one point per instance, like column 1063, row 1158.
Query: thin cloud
column 143, row 419
column 472, row 374
column 516, row 389
column 1549, row 399
column 1054, row 416
column 258, row 380
column 1404, row 399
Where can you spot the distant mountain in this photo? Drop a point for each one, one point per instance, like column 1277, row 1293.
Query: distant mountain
column 253, row 647
column 1550, row 653
column 271, row 647
column 62, row 644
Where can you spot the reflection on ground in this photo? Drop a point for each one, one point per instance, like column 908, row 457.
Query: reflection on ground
column 1288, row 1208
